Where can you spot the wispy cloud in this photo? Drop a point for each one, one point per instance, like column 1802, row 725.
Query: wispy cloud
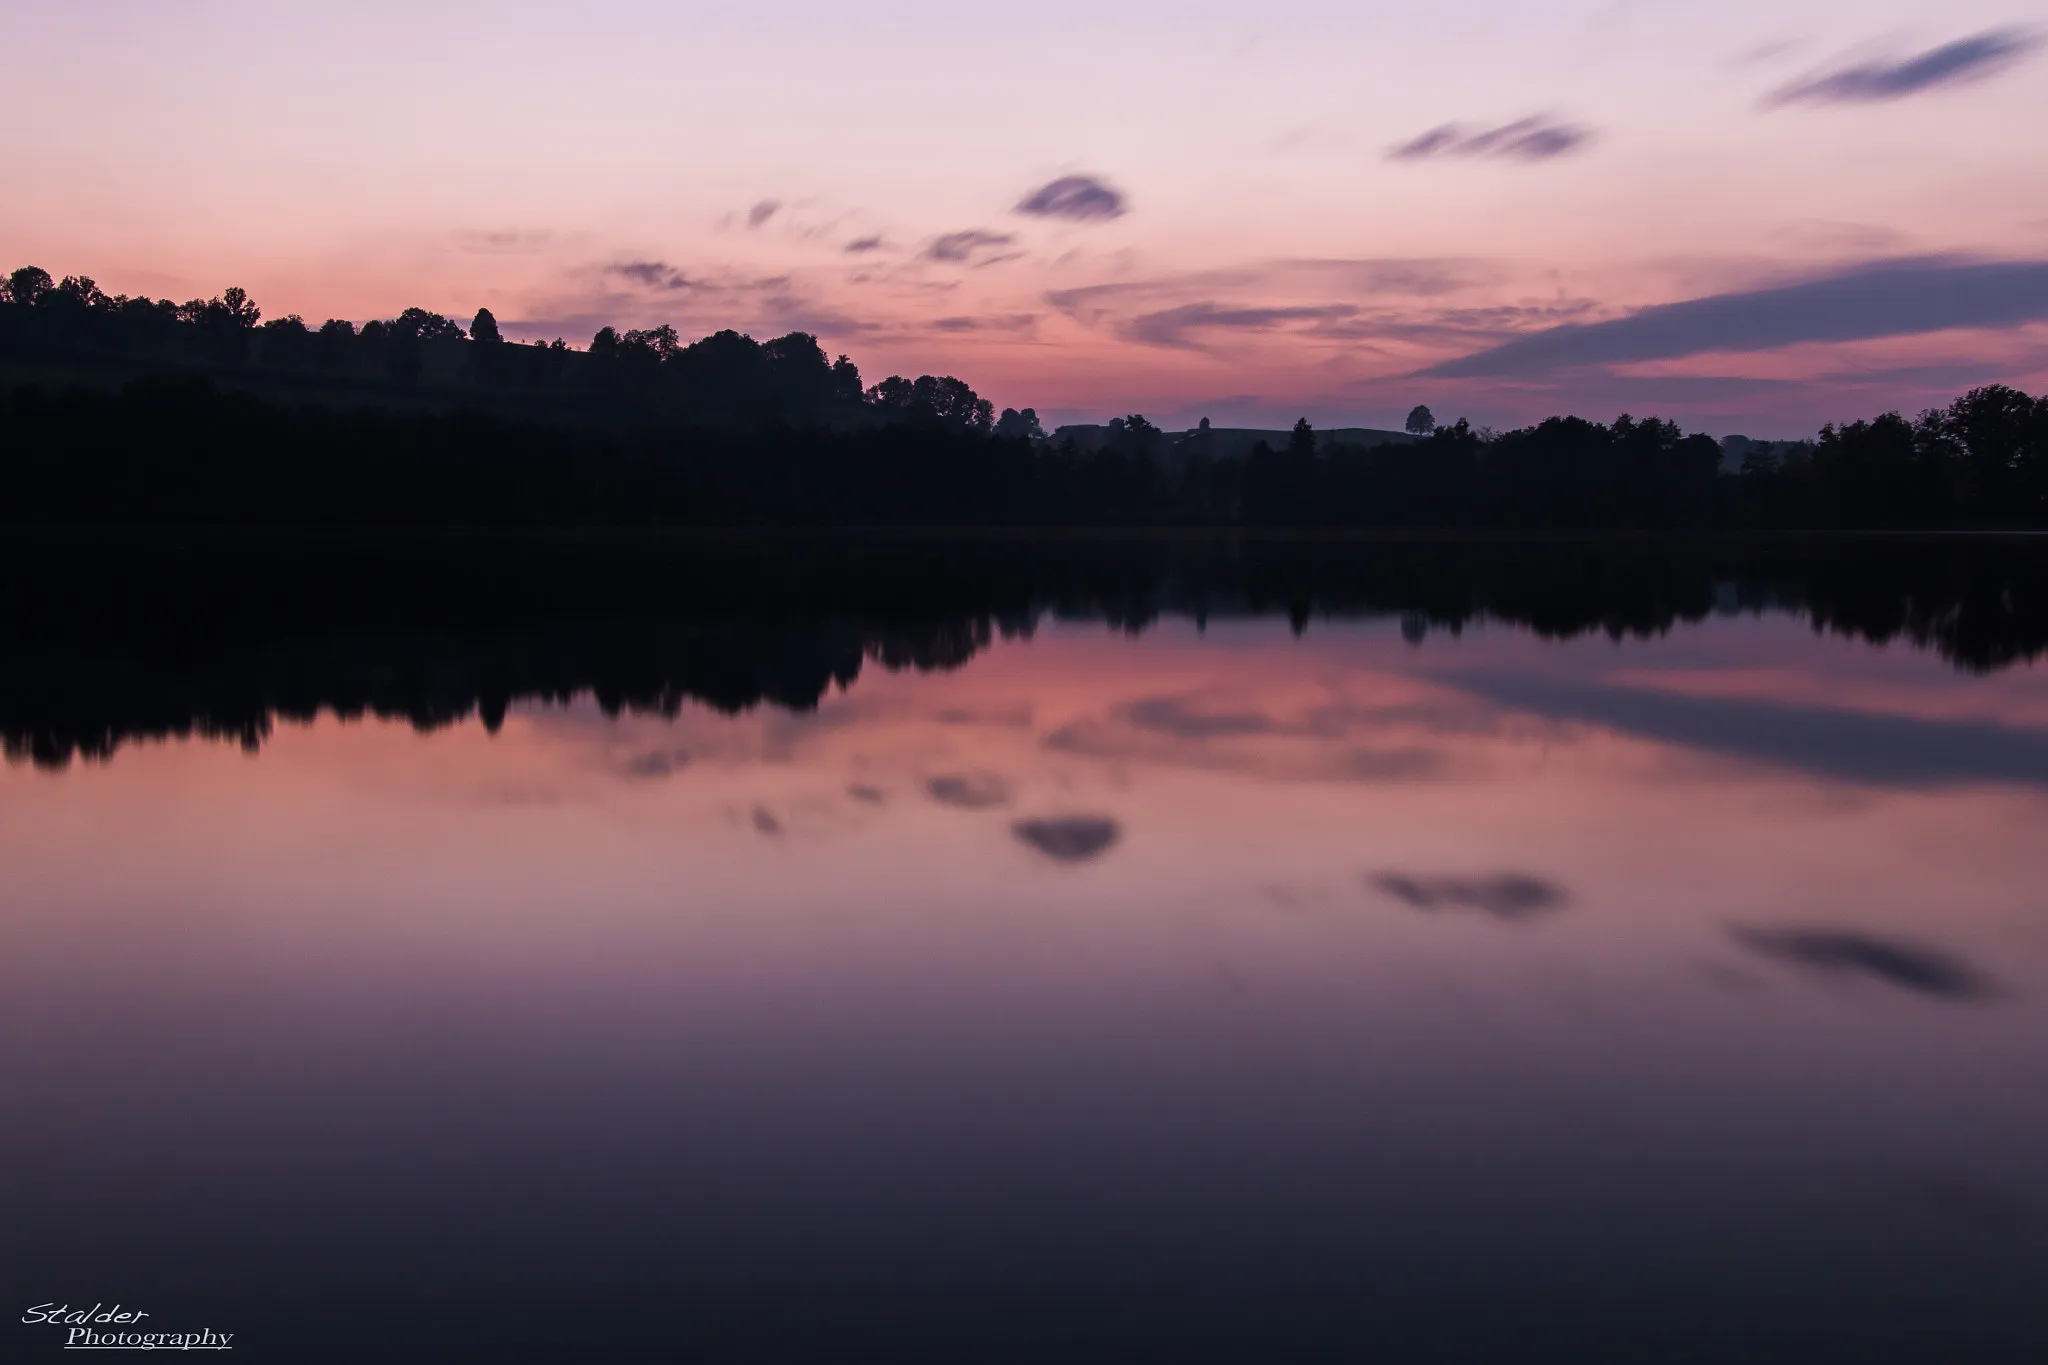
column 762, row 212
column 1886, row 298
column 1307, row 281
column 503, row 239
column 652, row 275
column 860, row 246
column 1966, row 59
column 1179, row 326
column 1078, row 198
column 998, row 322
column 961, row 246
column 1536, row 138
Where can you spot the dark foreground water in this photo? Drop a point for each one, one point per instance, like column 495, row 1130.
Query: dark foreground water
column 1168, row 953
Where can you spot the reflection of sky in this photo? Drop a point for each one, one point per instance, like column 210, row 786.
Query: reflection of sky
column 774, row 969
column 857, row 172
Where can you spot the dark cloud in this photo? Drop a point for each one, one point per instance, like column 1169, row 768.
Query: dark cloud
column 1854, row 746
column 1846, row 952
column 1966, row 59
column 1886, row 298
column 1069, row 838
column 765, row 821
column 861, row 245
column 1536, row 138
column 961, row 246
column 969, row 791
column 660, row 763
column 1170, row 327
column 1504, row 895
column 871, row 796
column 762, row 212
column 653, row 275
column 1078, row 198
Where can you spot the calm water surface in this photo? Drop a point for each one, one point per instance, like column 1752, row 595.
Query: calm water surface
column 1216, row 992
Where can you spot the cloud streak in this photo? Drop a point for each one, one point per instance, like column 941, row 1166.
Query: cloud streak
column 1536, row 138
column 955, row 247
column 1076, row 198
column 1172, row 326
column 1886, row 298
column 1957, row 63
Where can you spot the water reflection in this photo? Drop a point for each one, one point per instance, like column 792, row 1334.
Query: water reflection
column 1059, row 990
column 102, row 642
column 1503, row 895
column 1912, row 967
column 1069, row 838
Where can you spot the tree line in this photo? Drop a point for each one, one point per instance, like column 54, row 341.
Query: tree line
column 727, row 431
column 647, row 374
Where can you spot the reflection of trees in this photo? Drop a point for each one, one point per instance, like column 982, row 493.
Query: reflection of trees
column 105, row 641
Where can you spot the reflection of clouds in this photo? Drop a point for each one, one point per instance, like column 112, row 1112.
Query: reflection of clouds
column 969, row 791
column 1009, row 717
column 1309, row 743
column 1176, row 716
column 656, row 763
column 1504, row 895
column 1856, row 746
column 1850, row 953
column 1069, row 838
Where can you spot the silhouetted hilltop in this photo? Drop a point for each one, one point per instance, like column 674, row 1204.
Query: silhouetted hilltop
column 108, row 640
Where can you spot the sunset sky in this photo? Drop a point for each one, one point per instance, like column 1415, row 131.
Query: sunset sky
column 1246, row 212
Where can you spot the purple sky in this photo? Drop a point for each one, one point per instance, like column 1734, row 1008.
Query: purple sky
column 1748, row 216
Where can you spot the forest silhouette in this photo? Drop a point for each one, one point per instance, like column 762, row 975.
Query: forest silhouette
column 111, row 638
column 138, row 412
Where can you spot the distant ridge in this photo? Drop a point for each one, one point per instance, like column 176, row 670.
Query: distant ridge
column 1233, row 442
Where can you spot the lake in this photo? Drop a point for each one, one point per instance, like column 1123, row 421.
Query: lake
column 1400, row 951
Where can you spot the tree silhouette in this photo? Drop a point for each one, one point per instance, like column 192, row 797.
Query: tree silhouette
column 1421, row 421
column 484, row 328
column 1015, row 426
column 27, row 285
